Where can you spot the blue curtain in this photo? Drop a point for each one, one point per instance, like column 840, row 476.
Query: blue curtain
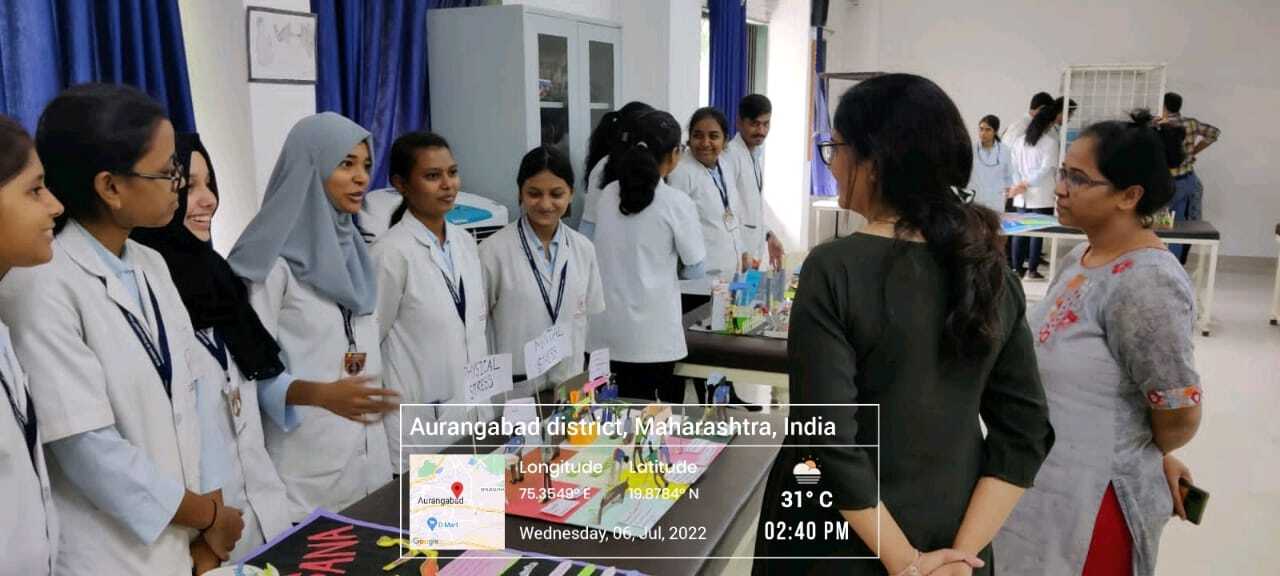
column 48, row 45
column 821, row 183
column 728, row 57
column 372, row 66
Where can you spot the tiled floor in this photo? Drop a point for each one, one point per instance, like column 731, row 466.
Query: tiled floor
column 1236, row 454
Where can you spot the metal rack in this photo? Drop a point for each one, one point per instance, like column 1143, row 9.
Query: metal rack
column 1108, row 92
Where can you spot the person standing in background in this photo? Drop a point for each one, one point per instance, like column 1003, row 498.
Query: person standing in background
column 29, row 525
column 647, row 228
column 744, row 159
column 701, row 175
column 1019, row 126
column 1035, row 160
column 1188, row 191
column 606, row 138
column 993, row 167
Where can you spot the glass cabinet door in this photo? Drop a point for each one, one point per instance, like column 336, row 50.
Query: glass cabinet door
column 600, row 68
column 554, row 102
column 600, row 58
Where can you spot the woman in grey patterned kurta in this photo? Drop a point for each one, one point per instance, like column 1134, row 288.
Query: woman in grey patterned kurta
column 1113, row 340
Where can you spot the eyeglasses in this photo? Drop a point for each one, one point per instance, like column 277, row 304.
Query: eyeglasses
column 1077, row 180
column 175, row 176
column 827, row 150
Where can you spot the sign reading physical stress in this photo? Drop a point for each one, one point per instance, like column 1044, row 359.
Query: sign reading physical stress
column 545, row 351
column 487, row 377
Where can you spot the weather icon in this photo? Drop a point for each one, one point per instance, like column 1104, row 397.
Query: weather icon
column 807, row 473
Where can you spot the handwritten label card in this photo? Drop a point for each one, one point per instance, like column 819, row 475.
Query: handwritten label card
column 486, row 377
column 598, row 365
column 545, row 351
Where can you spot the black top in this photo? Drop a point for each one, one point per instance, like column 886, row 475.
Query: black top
column 865, row 328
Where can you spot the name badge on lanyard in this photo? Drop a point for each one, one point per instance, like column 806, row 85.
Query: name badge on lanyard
column 553, row 311
column 159, row 354
column 353, row 361
column 230, row 391
column 724, row 195
column 26, row 420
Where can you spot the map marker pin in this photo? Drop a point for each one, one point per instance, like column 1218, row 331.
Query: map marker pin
column 457, row 489
column 431, row 523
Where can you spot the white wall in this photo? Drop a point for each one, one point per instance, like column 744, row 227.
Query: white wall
column 243, row 125
column 661, row 53
column 1221, row 58
column 786, row 172
column 599, row 9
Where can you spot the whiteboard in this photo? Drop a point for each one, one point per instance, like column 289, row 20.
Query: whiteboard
column 282, row 46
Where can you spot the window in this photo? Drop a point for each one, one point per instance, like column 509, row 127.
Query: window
column 757, row 60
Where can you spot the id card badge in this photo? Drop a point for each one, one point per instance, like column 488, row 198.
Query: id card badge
column 353, row 363
column 231, row 393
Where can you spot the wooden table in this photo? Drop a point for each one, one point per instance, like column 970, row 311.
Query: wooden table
column 745, row 359
column 1192, row 233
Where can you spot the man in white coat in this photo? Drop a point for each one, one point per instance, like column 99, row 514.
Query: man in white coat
column 744, row 158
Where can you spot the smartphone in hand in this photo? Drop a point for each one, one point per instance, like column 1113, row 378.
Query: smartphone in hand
column 1194, row 501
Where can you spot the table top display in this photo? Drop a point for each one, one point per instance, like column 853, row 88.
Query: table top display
column 334, row 544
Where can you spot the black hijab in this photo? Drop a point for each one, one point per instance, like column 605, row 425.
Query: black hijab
column 213, row 294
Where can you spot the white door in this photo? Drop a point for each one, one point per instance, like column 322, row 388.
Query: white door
column 600, row 56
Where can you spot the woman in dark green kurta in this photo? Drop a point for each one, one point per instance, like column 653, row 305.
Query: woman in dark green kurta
column 916, row 313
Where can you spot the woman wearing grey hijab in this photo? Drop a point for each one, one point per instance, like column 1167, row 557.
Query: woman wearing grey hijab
column 313, row 284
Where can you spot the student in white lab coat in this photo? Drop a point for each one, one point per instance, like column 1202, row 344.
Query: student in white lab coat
column 745, row 159
column 992, row 174
column 29, row 525
column 646, row 228
column 233, row 354
column 1034, row 158
column 432, row 313
column 701, row 175
column 607, row 136
column 539, row 272
column 103, row 333
column 313, row 285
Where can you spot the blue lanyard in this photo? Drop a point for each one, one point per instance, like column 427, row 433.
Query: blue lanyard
column 160, row 357
column 546, row 297
column 459, row 295
column 27, row 422
column 724, row 192
column 217, row 347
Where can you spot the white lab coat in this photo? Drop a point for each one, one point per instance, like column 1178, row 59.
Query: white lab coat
column 424, row 343
column 748, row 177
column 29, row 524
column 723, row 237
column 1038, row 166
column 638, row 255
column 327, row 461
column 252, row 484
column 91, row 372
column 515, row 303
column 595, row 181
